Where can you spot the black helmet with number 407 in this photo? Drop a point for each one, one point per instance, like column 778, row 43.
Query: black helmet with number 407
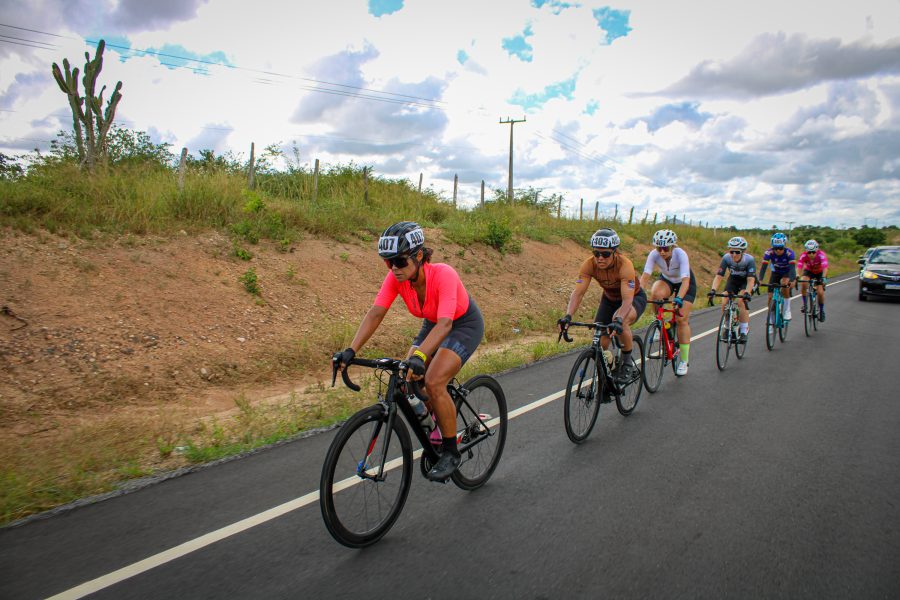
column 401, row 239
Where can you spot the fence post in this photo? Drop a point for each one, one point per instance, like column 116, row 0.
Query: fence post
column 252, row 162
column 455, row 185
column 181, row 167
column 654, row 218
column 596, row 209
column 482, row 193
column 616, row 214
column 316, row 182
column 420, row 183
column 559, row 208
column 581, row 210
column 366, row 184
column 631, row 215
column 646, row 214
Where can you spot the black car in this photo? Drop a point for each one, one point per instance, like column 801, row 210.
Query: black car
column 880, row 274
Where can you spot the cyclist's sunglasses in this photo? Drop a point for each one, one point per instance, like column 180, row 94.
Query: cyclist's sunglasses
column 401, row 262
column 603, row 253
column 736, row 251
column 664, row 248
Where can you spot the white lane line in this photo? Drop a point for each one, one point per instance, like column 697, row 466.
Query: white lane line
column 142, row 566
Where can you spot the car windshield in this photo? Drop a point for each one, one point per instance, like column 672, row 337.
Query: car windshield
column 884, row 257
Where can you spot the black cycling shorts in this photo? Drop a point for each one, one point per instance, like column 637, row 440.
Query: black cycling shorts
column 816, row 277
column 608, row 307
column 465, row 334
column 736, row 285
column 775, row 278
column 674, row 287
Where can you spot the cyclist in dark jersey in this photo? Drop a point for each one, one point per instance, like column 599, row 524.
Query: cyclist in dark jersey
column 623, row 300
column 742, row 275
column 452, row 326
column 784, row 270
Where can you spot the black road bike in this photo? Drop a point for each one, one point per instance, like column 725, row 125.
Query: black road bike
column 368, row 469
column 592, row 381
column 728, row 336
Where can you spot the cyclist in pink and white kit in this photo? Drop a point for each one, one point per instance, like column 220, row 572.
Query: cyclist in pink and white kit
column 813, row 266
column 452, row 326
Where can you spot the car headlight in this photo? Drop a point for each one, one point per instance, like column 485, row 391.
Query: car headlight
column 869, row 275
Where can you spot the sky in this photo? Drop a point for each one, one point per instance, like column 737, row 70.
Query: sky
column 751, row 114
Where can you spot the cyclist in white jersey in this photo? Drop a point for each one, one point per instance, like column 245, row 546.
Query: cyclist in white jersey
column 675, row 278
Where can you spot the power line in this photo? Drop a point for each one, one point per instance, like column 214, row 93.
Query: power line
column 393, row 97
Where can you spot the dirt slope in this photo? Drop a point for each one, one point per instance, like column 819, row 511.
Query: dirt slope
column 124, row 326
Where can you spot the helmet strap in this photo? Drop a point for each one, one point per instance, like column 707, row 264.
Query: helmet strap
column 415, row 277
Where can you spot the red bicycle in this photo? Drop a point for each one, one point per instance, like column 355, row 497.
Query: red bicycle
column 661, row 345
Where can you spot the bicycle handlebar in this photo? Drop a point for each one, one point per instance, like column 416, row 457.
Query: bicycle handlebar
column 388, row 364
column 564, row 333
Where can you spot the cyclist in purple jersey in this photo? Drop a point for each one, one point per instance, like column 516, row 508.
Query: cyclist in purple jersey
column 784, row 269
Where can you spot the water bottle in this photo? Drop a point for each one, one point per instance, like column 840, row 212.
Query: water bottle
column 422, row 413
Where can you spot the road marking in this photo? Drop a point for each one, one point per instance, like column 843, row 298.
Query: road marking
column 151, row 562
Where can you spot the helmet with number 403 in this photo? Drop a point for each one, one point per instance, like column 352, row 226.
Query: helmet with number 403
column 605, row 238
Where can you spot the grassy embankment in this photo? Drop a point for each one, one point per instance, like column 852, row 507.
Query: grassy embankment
column 139, row 199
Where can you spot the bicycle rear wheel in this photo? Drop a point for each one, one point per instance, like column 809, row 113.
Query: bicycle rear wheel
column 771, row 324
column 630, row 393
column 357, row 506
column 723, row 341
column 653, row 357
column 481, row 418
column 582, row 403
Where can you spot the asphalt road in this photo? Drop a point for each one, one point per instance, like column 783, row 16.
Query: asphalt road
column 777, row 478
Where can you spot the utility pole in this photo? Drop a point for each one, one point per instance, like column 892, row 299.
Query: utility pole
column 509, row 190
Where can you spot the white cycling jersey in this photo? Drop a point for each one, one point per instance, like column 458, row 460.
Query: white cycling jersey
column 673, row 271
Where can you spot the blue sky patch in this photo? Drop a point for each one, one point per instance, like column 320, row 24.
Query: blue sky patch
column 518, row 46
column 177, row 55
column 555, row 6
column 591, row 107
column 685, row 112
column 560, row 89
column 613, row 22
column 462, row 56
column 380, row 8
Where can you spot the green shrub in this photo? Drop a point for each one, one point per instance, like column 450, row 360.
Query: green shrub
column 250, row 281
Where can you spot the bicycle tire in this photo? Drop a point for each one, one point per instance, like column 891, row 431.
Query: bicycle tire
column 627, row 399
column 771, row 324
column 723, row 340
column 337, row 498
column 782, row 331
column 582, row 405
column 807, row 318
column 486, row 399
column 739, row 348
column 815, row 314
column 653, row 357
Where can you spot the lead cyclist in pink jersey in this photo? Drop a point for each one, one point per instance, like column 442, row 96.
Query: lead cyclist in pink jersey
column 452, row 326
column 813, row 266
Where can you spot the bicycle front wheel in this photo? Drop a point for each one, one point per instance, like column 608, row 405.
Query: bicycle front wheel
column 808, row 319
column 481, row 421
column 771, row 324
column 363, row 489
column 582, row 403
column 630, row 393
column 723, row 341
column 653, row 357
column 782, row 331
column 815, row 315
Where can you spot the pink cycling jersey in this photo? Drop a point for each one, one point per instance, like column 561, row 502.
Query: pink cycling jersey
column 814, row 264
column 445, row 295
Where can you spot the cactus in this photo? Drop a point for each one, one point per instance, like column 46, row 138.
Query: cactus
column 90, row 121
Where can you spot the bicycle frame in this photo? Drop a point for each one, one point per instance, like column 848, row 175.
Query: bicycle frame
column 396, row 397
column 778, row 301
column 600, row 330
column 667, row 325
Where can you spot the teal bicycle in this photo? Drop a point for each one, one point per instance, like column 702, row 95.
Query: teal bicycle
column 775, row 321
